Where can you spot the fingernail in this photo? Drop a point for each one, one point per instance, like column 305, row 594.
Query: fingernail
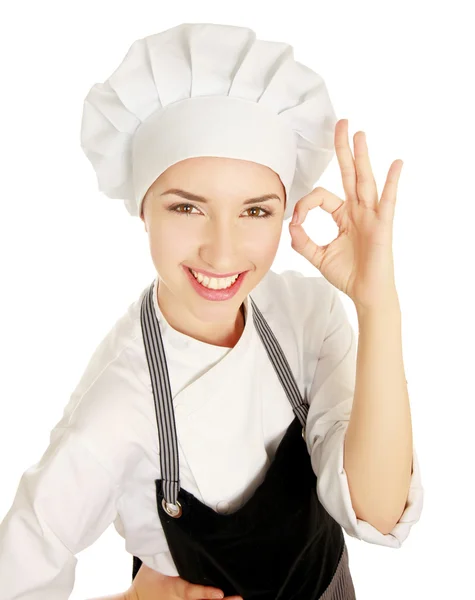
column 218, row 595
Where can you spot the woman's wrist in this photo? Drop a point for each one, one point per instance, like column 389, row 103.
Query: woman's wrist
column 131, row 594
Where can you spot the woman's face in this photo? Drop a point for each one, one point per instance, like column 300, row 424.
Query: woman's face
column 222, row 235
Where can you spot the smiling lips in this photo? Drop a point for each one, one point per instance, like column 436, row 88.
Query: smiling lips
column 214, row 288
column 213, row 282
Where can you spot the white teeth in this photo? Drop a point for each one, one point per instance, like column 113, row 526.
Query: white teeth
column 213, row 282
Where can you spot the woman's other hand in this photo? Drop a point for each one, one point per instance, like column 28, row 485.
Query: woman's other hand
column 151, row 585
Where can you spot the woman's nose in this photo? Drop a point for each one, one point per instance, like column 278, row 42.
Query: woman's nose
column 221, row 246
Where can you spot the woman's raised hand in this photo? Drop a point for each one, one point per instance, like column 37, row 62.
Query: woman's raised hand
column 150, row 585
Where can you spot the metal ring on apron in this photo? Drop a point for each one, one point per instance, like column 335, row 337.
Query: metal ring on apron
column 175, row 513
column 303, row 432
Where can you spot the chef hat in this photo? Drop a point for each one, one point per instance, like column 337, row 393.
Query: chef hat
column 203, row 89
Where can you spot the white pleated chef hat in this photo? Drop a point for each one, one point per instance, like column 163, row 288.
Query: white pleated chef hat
column 204, row 89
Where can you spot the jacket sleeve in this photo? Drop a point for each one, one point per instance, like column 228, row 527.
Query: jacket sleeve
column 331, row 398
column 62, row 505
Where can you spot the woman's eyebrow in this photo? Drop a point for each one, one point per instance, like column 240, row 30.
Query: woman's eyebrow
column 196, row 198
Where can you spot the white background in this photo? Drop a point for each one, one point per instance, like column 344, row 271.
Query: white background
column 72, row 260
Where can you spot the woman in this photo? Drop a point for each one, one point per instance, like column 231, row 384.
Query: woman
column 220, row 403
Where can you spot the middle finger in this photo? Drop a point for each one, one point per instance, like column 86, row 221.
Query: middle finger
column 365, row 184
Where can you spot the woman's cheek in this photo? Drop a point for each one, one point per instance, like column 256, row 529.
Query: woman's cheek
column 264, row 246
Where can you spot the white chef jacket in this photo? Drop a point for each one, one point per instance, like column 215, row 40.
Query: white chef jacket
column 231, row 413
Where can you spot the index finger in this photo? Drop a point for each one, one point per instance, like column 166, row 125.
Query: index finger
column 345, row 160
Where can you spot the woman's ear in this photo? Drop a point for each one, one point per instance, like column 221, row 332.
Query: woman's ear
column 142, row 213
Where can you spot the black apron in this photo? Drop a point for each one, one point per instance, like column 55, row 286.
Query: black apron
column 281, row 544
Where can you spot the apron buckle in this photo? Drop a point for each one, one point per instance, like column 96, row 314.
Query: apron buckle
column 173, row 512
column 303, row 432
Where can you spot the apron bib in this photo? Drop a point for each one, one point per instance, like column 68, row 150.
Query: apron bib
column 281, row 544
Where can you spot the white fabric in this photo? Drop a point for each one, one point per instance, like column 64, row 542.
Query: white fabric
column 204, row 89
column 231, row 413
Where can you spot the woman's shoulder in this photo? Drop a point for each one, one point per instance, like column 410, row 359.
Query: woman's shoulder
column 106, row 405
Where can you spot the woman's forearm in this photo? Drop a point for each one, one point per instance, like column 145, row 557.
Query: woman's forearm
column 378, row 446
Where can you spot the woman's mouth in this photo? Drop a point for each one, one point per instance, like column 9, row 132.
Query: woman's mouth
column 222, row 288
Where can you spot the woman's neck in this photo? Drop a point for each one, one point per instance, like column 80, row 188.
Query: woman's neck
column 215, row 335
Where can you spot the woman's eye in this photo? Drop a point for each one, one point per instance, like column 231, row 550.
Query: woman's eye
column 174, row 208
column 265, row 214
